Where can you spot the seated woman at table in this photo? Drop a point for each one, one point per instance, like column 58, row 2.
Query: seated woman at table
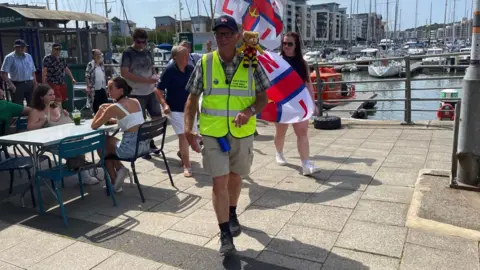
column 46, row 113
column 128, row 113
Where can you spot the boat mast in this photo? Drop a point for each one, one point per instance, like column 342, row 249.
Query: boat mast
column 369, row 24
column 430, row 24
column 453, row 22
column 396, row 17
column 351, row 23
column 387, row 28
column 180, row 14
column 375, row 23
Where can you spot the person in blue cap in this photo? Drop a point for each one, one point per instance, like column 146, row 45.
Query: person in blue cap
column 18, row 71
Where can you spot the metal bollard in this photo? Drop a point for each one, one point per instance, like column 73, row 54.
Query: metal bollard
column 468, row 140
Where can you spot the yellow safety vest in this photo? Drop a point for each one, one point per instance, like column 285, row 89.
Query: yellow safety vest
column 222, row 101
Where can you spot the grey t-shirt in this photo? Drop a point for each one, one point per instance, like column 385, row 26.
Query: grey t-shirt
column 139, row 63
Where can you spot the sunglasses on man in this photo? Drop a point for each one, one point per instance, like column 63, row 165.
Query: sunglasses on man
column 140, row 41
column 288, row 44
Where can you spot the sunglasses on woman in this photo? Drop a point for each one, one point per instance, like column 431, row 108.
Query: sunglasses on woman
column 289, row 44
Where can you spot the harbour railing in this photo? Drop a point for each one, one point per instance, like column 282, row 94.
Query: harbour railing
column 407, row 79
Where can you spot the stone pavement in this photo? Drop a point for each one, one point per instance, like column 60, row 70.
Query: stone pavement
column 351, row 215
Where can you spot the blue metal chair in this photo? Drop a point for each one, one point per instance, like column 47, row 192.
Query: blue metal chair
column 148, row 131
column 72, row 147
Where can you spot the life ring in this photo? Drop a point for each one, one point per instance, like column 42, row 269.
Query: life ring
column 446, row 112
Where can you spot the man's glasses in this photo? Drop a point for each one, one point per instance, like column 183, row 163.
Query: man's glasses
column 224, row 34
column 288, row 44
column 140, row 41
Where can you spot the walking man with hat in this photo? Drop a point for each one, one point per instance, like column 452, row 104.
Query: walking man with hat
column 53, row 73
column 18, row 71
column 232, row 96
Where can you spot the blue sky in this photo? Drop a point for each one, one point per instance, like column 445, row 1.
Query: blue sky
column 143, row 11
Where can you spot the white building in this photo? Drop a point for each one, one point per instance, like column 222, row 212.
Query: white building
column 354, row 28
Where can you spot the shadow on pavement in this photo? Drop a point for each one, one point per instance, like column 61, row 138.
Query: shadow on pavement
column 156, row 248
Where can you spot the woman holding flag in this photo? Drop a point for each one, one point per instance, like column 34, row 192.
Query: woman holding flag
column 291, row 52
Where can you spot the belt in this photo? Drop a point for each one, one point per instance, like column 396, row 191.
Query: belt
column 18, row 82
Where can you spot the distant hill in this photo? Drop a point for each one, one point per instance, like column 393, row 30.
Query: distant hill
column 434, row 26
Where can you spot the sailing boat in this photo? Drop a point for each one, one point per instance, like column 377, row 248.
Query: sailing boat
column 385, row 68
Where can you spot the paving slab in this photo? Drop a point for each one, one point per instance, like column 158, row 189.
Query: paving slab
column 181, row 205
column 377, row 145
column 287, row 261
column 12, row 235
column 321, row 217
column 341, row 258
column 381, row 212
column 412, row 143
column 35, row 249
column 282, row 199
column 304, row 243
column 201, row 222
column 155, row 222
column 425, row 258
column 405, row 150
column 395, row 177
column 349, row 182
column 299, row 183
column 81, row 255
column 388, row 194
column 7, row 266
column 373, row 238
column 326, row 195
column 270, row 221
column 123, row 261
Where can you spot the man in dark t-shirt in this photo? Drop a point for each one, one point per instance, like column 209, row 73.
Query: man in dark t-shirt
column 137, row 68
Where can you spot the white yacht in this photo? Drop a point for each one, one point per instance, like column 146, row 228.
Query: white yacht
column 464, row 59
column 312, row 57
column 367, row 55
column 434, row 60
column 384, row 68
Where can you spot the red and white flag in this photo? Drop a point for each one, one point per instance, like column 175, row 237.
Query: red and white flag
column 289, row 98
column 263, row 16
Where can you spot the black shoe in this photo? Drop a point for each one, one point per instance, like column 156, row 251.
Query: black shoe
column 235, row 228
column 227, row 248
column 147, row 157
column 153, row 147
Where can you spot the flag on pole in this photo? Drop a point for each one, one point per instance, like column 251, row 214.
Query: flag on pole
column 289, row 98
column 263, row 16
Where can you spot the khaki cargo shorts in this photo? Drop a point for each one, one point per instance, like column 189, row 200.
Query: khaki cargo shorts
column 238, row 160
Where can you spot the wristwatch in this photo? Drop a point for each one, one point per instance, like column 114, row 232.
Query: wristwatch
column 252, row 108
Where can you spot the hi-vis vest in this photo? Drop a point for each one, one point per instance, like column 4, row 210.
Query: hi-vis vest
column 222, row 101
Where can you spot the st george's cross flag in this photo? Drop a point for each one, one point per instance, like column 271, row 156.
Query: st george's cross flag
column 289, row 98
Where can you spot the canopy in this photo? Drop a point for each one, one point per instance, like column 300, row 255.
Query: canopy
column 165, row 46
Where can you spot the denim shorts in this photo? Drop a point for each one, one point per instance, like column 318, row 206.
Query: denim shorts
column 126, row 147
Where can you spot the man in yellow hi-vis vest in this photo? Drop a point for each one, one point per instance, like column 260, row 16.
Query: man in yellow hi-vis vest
column 232, row 96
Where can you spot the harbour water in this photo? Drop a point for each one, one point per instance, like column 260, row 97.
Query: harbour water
column 399, row 105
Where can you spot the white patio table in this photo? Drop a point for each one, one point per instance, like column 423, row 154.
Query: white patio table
column 40, row 139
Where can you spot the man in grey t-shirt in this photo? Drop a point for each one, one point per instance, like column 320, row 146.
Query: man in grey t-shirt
column 137, row 68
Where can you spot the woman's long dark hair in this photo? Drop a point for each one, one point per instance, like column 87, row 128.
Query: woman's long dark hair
column 298, row 58
column 121, row 83
column 37, row 97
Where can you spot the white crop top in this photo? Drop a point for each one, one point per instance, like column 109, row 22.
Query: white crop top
column 130, row 119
